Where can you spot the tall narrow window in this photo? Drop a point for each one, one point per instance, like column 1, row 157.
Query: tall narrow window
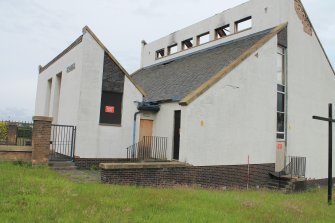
column 48, row 98
column 281, row 93
column 57, row 97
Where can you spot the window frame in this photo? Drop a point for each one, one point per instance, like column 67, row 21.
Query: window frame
column 183, row 45
column 217, row 35
column 170, row 47
column 202, row 35
column 159, row 55
column 283, row 91
column 241, row 21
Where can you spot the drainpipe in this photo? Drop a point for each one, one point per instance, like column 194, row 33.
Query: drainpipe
column 134, row 135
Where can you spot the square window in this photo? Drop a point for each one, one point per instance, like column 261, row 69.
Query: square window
column 172, row 49
column 243, row 24
column 160, row 53
column 187, row 44
column 203, row 38
column 222, row 32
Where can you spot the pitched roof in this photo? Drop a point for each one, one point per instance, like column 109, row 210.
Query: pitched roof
column 185, row 78
column 78, row 41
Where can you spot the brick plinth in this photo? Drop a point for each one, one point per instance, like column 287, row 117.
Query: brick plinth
column 41, row 140
column 203, row 176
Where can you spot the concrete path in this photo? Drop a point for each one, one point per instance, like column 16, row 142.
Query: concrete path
column 80, row 176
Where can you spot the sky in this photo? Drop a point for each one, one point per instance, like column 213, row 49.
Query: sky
column 34, row 31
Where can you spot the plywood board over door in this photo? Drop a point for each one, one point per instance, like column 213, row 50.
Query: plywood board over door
column 145, row 149
column 145, row 128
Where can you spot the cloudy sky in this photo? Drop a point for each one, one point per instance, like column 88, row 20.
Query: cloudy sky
column 35, row 31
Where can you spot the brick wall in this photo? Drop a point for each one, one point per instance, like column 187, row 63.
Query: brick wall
column 88, row 163
column 15, row 153
column 204, row 176
column 319, row 182
column 41, row 140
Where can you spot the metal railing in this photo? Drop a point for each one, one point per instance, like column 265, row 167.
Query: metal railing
column 62, row 142
column 296, row 166
column 14, row 133
column 149, row 148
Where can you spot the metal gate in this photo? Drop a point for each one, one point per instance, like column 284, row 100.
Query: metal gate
column 62, row 143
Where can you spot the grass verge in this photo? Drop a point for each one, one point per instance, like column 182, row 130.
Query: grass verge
column 30, row 194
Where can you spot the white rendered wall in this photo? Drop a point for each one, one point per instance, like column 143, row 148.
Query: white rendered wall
column 164, row 124
column 69, row 92
column 225, row 125
column 94, row 140
column 265, row 14
column 311, row 86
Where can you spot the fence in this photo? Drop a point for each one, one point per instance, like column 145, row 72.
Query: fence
column 296, row 166
column 16, row 133
column 62, row 142
column 149, row 148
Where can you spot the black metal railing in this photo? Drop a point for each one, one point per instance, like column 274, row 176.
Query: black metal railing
column 62, row 143
column 14, row 133
column 149, row 148
column 296, row 166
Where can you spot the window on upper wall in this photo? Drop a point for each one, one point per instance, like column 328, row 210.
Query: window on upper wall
column 172, row 49
column 281, row 93
column 187, row 44
column 113, row 79
column 203, row 38
column 222, row 32
column 160, row 53
column 243, row 24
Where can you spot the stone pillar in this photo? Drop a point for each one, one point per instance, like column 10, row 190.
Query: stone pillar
column 11, row 134
column 41, row 140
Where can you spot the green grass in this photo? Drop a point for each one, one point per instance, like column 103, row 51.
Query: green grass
column 29, row 194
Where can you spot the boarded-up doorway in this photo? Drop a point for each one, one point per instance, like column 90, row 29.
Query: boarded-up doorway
column 145, row 128
column 145, row 149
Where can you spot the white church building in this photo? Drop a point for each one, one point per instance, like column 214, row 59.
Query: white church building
column 241, row 85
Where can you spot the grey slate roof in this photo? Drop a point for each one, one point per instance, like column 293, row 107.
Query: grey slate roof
column 175, row 79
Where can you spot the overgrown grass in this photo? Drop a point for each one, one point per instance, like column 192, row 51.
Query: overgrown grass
column 29, row 194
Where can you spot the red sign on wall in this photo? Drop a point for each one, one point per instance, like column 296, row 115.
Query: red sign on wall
column 279, row 146
column 109, row 109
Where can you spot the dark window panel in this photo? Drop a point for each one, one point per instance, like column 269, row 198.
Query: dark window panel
column 280, row 122
column 280, row 136
column 280, row 88
column 113, row 76
column 280, row 102
column 111, row 108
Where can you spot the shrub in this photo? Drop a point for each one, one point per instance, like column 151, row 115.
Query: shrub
column 3, row 131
